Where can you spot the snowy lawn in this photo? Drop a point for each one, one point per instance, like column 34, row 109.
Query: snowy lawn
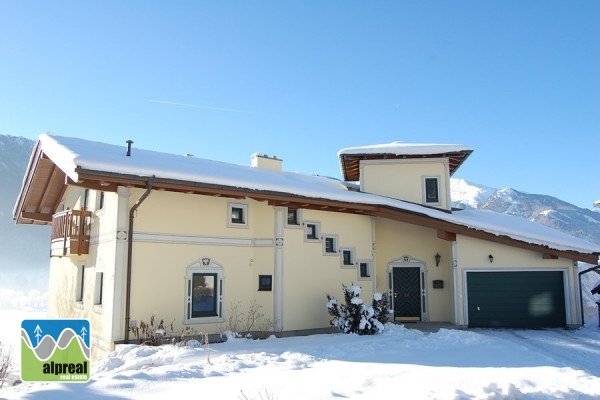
column 400, row 362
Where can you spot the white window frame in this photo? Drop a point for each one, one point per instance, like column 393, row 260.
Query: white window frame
column 369, row 270
column 317, row 236
column 439, row 193
column 85, row 201
column 244, row 210
column 298, row 218
column 101, row 200
column 203, row 266
column 99, row 288
column 80, row 283
column 352, row 252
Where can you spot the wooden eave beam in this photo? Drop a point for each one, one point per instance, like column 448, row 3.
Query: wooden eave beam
column 35, row 216
column 547, row 256
column 445, row 235
column 97, row 185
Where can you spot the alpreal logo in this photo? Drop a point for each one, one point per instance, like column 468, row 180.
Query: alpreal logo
column 55, row 350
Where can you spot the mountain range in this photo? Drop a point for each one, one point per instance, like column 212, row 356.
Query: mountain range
column 546, row 210
column 26, row 248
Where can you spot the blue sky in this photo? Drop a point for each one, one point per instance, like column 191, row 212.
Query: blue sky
column 519, row 82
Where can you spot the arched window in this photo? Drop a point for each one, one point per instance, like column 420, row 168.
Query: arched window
column 204, row 291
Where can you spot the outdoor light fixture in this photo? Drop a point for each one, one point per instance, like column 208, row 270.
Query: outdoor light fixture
column 437, row 259
column 491, row 257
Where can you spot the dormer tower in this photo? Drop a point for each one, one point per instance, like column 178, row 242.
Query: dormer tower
column 418, row 173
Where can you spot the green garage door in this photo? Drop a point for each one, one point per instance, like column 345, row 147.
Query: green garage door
column 524, row 299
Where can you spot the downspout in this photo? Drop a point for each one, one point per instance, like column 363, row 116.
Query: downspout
column 129, row 254
column 581, row 294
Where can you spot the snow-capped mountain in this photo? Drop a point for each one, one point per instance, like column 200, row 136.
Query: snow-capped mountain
column 546, row 210
column 23, row 248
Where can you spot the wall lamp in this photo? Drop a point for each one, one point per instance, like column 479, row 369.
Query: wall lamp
column 491, row 257
column 437, row 259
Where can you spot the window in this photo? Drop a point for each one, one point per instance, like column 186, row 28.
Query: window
column 265, row 283
column 348, row 257
column 432, row 191
column 86, row 198
column 101, row 201
column 238, row 214
column 204, row 291
column 312, row 231
column 330, row 244
column 80, row 282
column 293, row 216
column 364, row 269
column 98, row 288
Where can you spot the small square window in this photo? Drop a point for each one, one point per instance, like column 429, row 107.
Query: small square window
column 364, row 269
column 292, row 216
column 432, row 192
column 265, row 283
column 347, row 257
column 312, row 231
column 330, row 245
column 238, row 214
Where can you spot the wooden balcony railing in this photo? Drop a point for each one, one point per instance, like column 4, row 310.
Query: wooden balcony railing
column 70, row 233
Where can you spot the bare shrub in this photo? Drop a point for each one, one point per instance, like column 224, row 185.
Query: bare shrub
column 246, row 323
column 152, row 333
column 267, row 396
column 5, row 363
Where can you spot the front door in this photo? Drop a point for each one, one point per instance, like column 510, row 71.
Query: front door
column 406, row 291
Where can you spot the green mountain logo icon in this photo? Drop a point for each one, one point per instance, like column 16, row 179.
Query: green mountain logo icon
column 55, row 350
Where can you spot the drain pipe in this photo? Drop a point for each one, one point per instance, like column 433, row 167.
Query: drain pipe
column 580, row 293
column 150, row 182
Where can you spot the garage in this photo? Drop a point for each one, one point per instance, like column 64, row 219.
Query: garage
column 516, row 299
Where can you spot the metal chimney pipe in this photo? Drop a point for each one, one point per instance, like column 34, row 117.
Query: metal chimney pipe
column 129, row 142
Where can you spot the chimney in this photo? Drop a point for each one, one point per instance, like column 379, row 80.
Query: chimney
column 263, row 161
column 129, row 142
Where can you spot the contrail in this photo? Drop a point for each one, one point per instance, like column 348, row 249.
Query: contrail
column 201, row 106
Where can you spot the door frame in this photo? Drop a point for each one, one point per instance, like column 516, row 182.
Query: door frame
column 407, row 261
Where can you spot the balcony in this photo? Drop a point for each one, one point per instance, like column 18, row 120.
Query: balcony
column 70, row 233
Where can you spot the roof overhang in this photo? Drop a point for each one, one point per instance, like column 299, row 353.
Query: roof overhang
column 42, row 190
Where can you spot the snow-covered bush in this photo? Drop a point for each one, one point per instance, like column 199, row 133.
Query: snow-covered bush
column 354, row 316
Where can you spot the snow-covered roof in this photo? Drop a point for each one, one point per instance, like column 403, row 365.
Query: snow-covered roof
column 351, row 157
column 74, row 155
column 403, row 148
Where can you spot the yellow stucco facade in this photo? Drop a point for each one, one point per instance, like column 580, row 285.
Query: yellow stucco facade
column 249, row 256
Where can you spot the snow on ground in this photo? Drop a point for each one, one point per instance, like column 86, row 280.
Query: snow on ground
column 448, row 364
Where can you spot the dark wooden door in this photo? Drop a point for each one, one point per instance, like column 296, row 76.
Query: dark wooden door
column 406, row 287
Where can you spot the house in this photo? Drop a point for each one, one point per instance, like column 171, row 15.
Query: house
column 137, row 233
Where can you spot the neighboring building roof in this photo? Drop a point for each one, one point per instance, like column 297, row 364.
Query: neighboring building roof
column 350, row 157
column 56, row 159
